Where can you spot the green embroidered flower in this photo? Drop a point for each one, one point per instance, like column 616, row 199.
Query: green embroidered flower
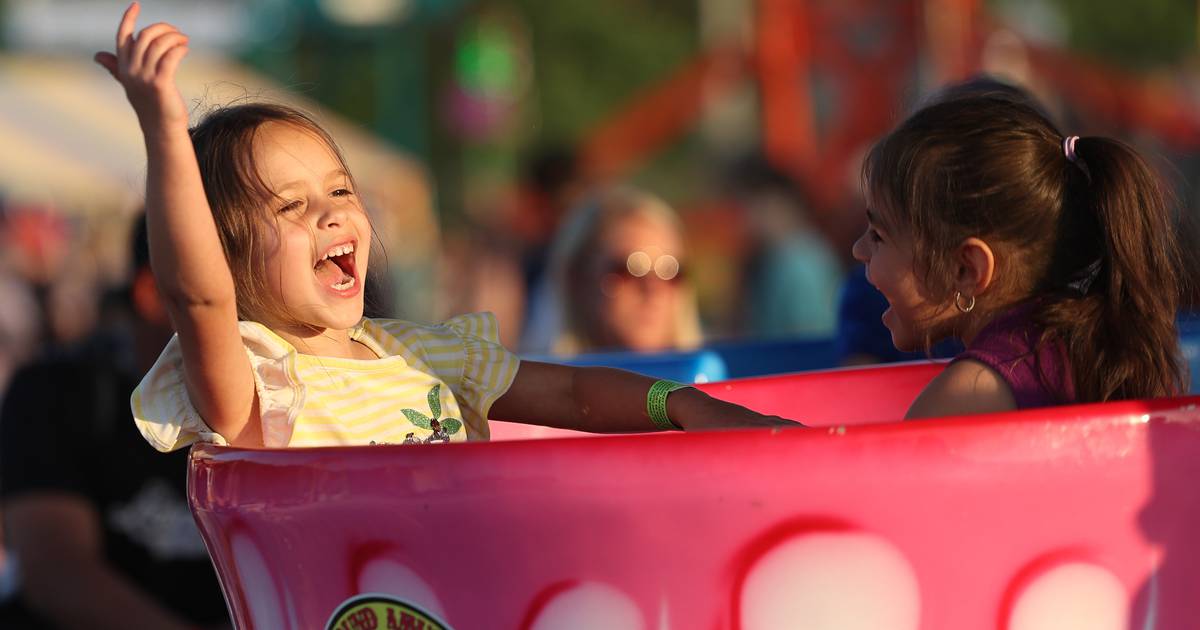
column 449, row 425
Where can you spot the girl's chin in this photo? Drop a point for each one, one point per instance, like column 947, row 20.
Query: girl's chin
column 901, row 338
column 904, row 345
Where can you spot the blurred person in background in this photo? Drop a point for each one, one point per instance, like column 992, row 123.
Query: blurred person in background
column 480, row 270
column 791, row 276
column 20, row 337
column 617, row 280
column 550, row 185
column 495, row 260
column 48, row 253
column 98, row 523
column 20, row 327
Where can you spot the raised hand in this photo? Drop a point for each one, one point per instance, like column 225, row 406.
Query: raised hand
column 145, row 65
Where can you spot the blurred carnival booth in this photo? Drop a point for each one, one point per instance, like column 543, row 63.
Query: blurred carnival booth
column 1072, row 517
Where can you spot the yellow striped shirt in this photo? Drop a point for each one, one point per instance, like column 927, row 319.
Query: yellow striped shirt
column 430, row 383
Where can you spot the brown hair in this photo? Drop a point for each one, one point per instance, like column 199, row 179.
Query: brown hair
column 239, row 197
column 1091, row 241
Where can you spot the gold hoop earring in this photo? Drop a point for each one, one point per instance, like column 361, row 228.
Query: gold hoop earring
column 958, row 302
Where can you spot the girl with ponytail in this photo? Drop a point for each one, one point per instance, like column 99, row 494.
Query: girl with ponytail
column 1052, row 257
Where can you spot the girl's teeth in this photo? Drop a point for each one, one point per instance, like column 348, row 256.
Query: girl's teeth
column 344, row 284
column 339, row 251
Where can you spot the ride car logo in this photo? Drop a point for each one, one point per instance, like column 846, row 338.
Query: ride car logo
column 381, row 612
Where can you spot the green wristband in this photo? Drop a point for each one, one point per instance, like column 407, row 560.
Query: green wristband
column 656, row 404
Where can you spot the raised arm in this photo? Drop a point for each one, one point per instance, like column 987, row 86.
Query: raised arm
column 606, row 400
column 185, row 250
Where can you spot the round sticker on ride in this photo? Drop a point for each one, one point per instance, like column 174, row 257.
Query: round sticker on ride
column 372, row 611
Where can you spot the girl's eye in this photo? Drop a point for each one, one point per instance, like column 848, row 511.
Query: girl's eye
column 293, row 205
column 342, row 192
column 875, row 237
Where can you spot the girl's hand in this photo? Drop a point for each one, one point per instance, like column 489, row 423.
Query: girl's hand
column 145, row 65
column 694, row 410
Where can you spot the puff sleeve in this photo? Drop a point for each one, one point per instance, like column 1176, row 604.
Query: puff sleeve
column 164, row 413
column 488, row 368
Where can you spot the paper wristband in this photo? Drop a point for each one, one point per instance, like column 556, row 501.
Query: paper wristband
column 656, row 404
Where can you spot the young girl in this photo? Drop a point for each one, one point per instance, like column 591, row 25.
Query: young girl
column 1052, row 257
column 253, row 216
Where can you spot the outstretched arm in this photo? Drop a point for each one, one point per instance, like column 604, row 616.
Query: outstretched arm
column 606, row 400
column 185, row 250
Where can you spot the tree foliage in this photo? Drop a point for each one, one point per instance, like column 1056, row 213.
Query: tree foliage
column 1140, row 34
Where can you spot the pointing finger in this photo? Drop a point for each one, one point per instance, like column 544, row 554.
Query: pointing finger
column 125, row 31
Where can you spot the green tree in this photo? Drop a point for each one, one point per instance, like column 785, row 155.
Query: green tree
column 591, row 57
column 1138, row 34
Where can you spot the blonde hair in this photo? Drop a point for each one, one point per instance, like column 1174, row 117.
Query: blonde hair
column 576, row 242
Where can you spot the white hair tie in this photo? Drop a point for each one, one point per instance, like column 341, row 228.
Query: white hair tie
column 1069, row 147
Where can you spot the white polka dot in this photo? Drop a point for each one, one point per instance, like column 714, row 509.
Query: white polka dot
column 392, row 578
column 257, row 585
column 590, row 606
column 831, row 581
column 1072, row 596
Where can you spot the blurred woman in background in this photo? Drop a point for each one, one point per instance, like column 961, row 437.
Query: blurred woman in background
column 616, row 280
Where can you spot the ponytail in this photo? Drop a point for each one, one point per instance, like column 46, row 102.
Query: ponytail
column 1118, row 277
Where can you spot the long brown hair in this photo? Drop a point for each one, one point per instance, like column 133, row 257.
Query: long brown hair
column 1090, row 241
column 237, row 195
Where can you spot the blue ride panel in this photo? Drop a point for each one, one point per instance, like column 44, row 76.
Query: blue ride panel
column 745, row 358
column 1189, row 346
column 698, row 366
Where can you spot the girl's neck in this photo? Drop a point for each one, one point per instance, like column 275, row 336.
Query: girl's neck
column 975, row 325
column 324, row 342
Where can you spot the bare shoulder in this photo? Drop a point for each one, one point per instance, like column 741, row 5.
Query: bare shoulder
column 964, row 387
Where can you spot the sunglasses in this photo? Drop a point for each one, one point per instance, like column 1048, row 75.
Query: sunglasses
column 640, row 265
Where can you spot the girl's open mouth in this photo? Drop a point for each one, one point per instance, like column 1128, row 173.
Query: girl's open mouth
column 336, row 268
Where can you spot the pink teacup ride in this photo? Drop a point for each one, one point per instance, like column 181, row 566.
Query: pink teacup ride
column 1069, row 517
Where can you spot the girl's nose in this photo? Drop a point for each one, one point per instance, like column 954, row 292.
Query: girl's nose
column 332, row 215
column 859, row 251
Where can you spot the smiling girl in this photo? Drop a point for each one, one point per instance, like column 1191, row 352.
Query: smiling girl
column 1052, row 257
column 260, row 245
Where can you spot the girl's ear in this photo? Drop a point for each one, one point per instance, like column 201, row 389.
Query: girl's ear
column 976, row 264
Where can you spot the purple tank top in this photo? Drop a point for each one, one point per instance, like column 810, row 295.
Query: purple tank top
column 1006, row 345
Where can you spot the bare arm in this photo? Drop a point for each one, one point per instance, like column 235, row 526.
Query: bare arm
column 185, row 251
column 606, row 400
column 964, row 387
column 65, row 577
